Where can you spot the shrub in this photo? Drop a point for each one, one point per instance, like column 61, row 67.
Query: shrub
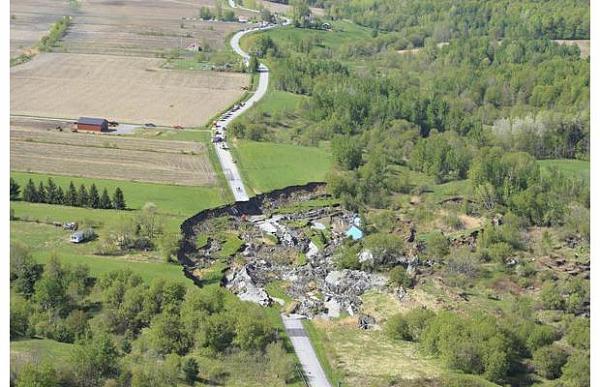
column 539, row 335
column 399, row 277
column 550, row 297
column 498, row 252
column 190, row 370
column 453, row 221
column 347, row 257
column 549, row 360
column 409, row 326
column 576, row 371
column 438, row 245
column 463, row 262
column 578, row 334
column 397, row 328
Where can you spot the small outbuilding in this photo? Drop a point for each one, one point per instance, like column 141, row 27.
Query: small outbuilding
column 92, row 124
column 77, row 237
column 83, row 236
column 355, row 233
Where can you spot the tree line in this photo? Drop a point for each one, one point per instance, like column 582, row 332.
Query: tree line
column 51, row 193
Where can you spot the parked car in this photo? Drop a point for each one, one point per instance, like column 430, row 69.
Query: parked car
column 149, row 125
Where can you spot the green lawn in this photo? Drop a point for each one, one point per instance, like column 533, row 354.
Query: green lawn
column 277, row 101
column 170, row 199
column 579, row 168
column 99, row 219
column 43, row 349
column 269, row 166
column 343, row 32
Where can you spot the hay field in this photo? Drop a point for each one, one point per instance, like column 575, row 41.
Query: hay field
column 132, row 90
column 148, row 28
column 99, row 156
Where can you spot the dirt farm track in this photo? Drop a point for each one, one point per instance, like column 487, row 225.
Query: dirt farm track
column 127, row 89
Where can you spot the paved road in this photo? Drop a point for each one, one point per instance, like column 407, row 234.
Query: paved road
column 232, row 174
column 306, row 354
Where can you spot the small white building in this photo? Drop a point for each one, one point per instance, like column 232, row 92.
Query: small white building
column 77, row 237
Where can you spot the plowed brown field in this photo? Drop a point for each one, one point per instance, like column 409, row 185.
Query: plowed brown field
column 99, row 156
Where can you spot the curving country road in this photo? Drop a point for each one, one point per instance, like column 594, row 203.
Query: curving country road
column 232, row 174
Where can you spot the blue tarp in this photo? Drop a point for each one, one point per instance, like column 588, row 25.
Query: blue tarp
column 354, row 233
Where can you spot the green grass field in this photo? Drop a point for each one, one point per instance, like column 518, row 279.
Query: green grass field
column 175, row 204
column 579, row 168
column 343, row 32
column 46, row 241
column 277, row 101
column 269, row 166
column 170, row 199
column 42, row 349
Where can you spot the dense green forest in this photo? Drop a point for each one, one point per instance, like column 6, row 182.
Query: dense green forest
column 447, row 19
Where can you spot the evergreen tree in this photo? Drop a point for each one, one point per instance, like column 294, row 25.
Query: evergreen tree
column 190, row 370
column 82, row 197
column 51, row 191
column 60, row 195
column 105, row 202
column 71, row 196
column 30, row 192
column 118, row 200
column 15, row 190
column 42, row 196
column 94, row 199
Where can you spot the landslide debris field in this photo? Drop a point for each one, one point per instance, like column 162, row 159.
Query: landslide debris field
column 108, row 63
column 282, row 254
column 111, row 157
column 286, row 248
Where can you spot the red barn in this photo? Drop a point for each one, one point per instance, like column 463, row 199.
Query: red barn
column 92, row 124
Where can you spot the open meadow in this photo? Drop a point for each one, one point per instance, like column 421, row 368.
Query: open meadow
column 268, row 166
